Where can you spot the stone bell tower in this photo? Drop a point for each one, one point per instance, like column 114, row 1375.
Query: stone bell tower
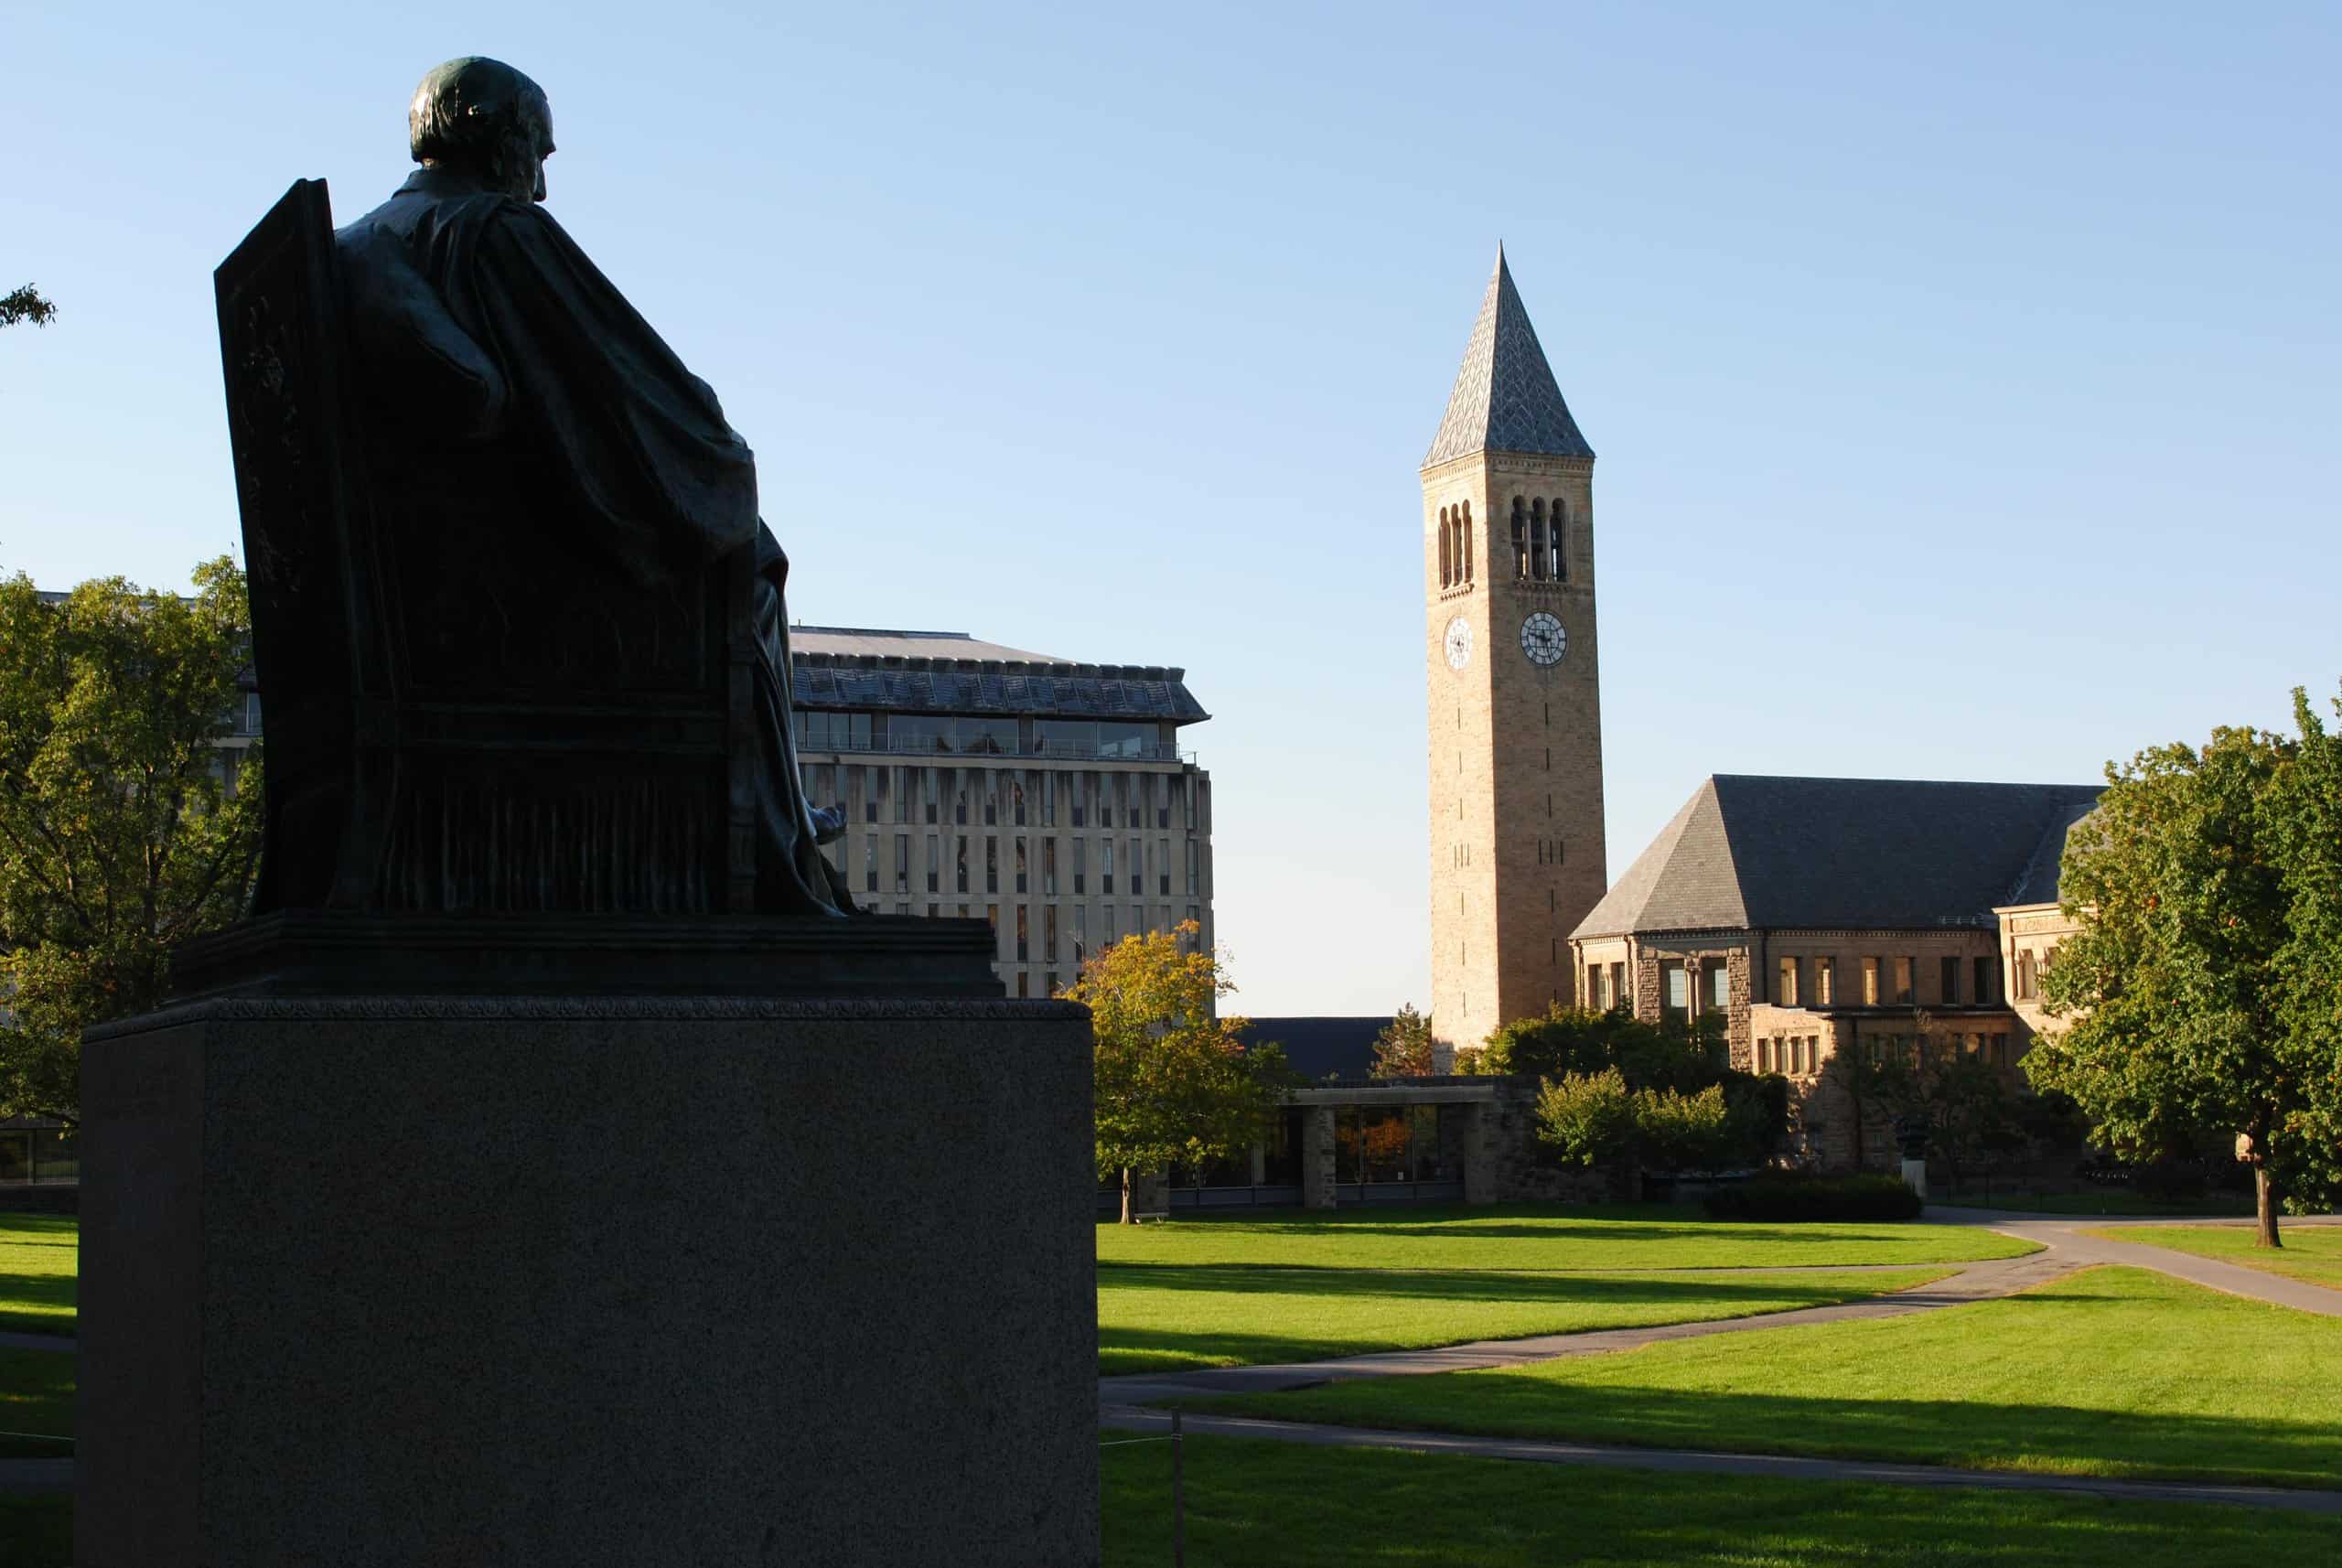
column 1515, row 697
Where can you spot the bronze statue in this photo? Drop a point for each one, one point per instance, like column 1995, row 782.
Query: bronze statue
column 518, row 626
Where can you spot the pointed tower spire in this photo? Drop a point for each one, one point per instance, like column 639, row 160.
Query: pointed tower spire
column 1506, row 398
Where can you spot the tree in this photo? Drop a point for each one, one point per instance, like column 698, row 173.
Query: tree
column 25, row 304
column 1579, row 1041
column 1404, row 1048
column 1173, row 1082
column 1591, row 1118
column 2187, row 1025
column 121, row 832
column 1970, row 1108
column 2306, row 809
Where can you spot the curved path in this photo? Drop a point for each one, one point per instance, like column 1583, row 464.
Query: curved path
column 2064, row 1249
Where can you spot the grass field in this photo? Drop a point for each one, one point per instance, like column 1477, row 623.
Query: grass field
column 2311, row 1252
column 40, row 1258
column 2108, row 1372
column 1296, row 1286
column 1614, row 1239
column 35, row 1399
column 1165, row 1316
column 1250, row 1503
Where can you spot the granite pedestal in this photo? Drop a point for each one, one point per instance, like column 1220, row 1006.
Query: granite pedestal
column 639, row 1281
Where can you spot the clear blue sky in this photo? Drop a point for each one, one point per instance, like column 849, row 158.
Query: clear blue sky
column 1966, row 379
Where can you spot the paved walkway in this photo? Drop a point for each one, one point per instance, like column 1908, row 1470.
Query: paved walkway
column 2063, row 1250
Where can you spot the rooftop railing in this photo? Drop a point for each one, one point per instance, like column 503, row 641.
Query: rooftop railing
column 1058, row 750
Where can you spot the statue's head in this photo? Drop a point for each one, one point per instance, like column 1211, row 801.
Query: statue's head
column 481, row 117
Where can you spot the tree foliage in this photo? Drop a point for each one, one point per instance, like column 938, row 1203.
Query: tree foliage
column 25, row 304
column 1592, row 1119
column 1579, row 1041
column 2201, row 986
column 1404, row 1048
column 1972, row 1110
column 1175, row 1084
column 119, row 835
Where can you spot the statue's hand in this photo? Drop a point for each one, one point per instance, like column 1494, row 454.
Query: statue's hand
column 828, row 823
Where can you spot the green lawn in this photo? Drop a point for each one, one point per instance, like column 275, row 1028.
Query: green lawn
column 2311, row 1252
column 35, row 1399
column 40, row 1256
column 1614, row 1239
column 1169, row 1316
column 1250, row 1503
column 2108, row 1372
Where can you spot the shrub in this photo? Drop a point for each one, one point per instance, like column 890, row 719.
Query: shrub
column 1801, row 1198
column 1586, row 1118
column 1681, row 1132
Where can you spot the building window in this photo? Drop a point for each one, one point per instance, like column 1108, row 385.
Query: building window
column 1618, row 997
column 2001, row 1051
column 1191, row 797
column 1559, row 540
column 1016, row 799
column 1080, row 865
column 2024, row 975
column 928, row 785
column 1825, row 981
column 1719, row 988
column 1983, row 996
column 1677, row 986
column 902, row 863
column 1024, row 981
column 1163, row 866
column 1536, row 556
column 874, row 796
column 870, row 863
column 1050, row 866
column 1021, row 877
column 989, row 786
column 959, row 795
column 1049, row 799
column 1023, row 933
column 1784, row 988
column 1870, row 983
column 1137, row 867
column 1195, row 869
column 1948, row 978
column 1106, row 924
column 934, row 865
column 1446, row 553
column 1081, row 934
column 960, row 872
column 991, row 863
column 1904, row 982
column 1464, row 562
column 1049, row 934
column 1105, row 865
column 1520, row 537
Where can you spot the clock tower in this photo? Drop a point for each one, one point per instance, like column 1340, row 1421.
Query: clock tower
column 1515, row 697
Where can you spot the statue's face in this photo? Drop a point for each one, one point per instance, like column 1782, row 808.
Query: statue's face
column 524, row 155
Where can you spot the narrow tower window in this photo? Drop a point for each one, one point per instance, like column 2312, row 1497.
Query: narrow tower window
column 1466, row 564
column 1520, row 537
column 1559, row 539
column 1537, row 540
column 1446, row 551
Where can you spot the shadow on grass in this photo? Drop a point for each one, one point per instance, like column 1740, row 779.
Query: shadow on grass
column 1254, row 1502
column 1723, row 1286
column 2043, row 1437
column 38, row 1304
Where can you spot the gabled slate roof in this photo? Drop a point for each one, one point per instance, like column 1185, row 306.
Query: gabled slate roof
column 2038, row 885
column 1321, row 1047
column 832, row 667
column 1747, row 852
column 1505, row 398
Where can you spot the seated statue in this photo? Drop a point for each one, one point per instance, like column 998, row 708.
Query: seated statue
column 559, row 508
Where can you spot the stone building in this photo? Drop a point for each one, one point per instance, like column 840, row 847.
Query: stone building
column 1514, row 691
column 1047, row 796
column 1823, row 917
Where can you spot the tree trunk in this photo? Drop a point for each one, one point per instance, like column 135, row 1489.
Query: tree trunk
column 2264, row 1208
column 1126, row 1196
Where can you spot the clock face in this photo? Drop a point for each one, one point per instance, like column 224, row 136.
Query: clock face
column 1543, row 639
column 1459, row 643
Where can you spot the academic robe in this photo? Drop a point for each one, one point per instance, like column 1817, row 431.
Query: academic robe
column 537, row 414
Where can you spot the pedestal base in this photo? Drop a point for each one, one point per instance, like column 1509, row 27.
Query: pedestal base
column 1915, row 1177
column 488, row 1281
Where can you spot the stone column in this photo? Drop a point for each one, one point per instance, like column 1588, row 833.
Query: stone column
column 1317, row 1173
column 1481, row 1176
